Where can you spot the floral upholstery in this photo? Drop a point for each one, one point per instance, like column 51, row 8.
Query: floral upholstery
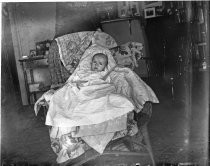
column 104, row 40
column 128, row 54
column 66, row 51
column 58, row 72
column 72, row 46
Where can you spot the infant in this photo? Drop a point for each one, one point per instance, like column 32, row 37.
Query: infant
column 98, row 64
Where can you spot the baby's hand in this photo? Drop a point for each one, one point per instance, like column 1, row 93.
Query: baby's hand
column 79, row 83
column 121, row 68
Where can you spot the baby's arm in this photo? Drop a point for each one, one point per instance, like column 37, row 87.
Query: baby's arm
column 79, row 83
column 113, row 69
column 107, row 74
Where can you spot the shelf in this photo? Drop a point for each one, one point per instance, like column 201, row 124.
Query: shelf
column 121, row 19
column 32, row 59
column 201, row 44
column 43, row 66
column 28, row 66
column 34, row 63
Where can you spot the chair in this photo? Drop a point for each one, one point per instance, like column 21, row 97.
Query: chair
column 128, row 150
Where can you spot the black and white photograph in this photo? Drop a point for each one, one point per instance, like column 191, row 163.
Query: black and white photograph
column 105, row 83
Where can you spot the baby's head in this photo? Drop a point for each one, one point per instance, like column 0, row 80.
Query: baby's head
column 99, row 62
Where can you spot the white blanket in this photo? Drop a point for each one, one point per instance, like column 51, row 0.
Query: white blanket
column 94, row 104
column 97, row 102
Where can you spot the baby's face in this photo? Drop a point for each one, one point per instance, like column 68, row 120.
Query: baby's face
column 98, row 63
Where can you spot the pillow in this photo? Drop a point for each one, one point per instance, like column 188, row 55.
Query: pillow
column 103, row 39
column 128, row 54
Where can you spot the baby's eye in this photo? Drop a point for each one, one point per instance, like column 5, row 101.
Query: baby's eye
column 100, row 63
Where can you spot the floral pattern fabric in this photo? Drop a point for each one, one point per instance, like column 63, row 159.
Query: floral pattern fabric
column 128, row 54
column 68, row 146
column 72, row 46
column 66, row 51
column 104, row 40
column 58, row 72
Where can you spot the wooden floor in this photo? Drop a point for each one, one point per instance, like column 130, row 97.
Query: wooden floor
column 177, row 131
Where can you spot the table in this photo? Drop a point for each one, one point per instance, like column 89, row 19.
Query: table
column 32, row 86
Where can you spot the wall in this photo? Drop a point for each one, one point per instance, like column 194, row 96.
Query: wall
column 74, row 17
column 30, row 23
column 166, row 45
column 9, row 78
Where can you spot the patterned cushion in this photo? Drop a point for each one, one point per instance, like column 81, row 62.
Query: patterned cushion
column 103, row 39
column 58, row 72
column 72, row 46
column 128, row 54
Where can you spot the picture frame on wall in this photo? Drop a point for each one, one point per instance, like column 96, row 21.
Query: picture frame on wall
column 106, row 10
column 135, row 8
column 123, row 8
column 42, row 48
column 128, row 9
column 32, row 53
column 149, row 12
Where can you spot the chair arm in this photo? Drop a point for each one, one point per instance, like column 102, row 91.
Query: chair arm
column 144, row 115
